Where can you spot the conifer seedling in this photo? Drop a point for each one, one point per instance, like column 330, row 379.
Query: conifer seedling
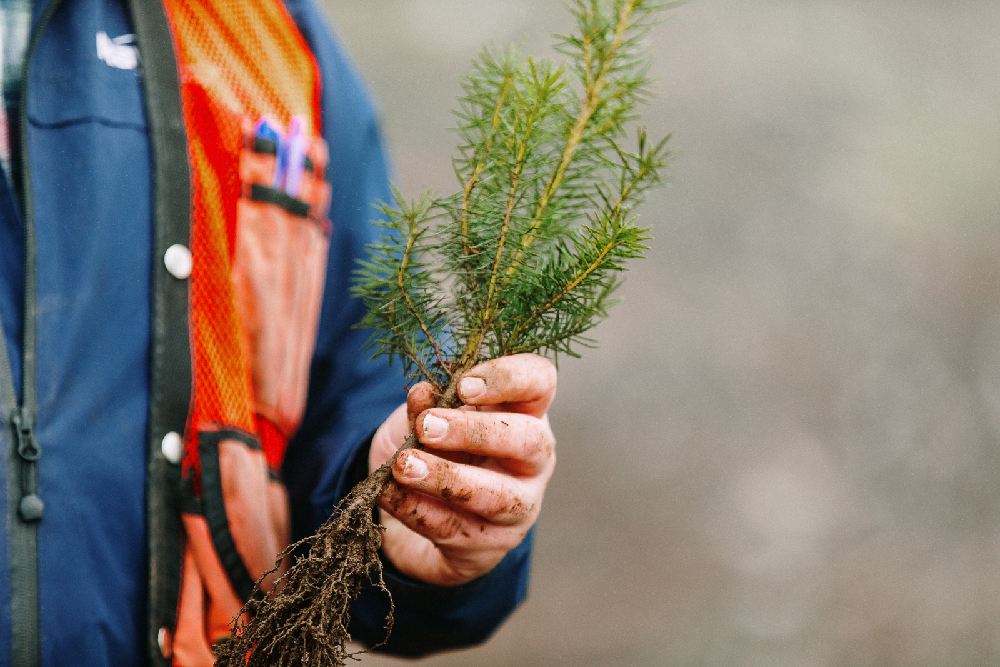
column 524, row 257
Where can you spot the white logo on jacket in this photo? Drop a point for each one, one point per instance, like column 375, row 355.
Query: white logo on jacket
column 119, row 52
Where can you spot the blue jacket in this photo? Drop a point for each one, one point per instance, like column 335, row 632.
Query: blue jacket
column 90, row 184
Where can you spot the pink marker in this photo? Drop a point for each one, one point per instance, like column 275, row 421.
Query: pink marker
column 296, row 164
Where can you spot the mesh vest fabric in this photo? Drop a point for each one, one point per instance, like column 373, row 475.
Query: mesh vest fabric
column 258, row 248
column 239, row 60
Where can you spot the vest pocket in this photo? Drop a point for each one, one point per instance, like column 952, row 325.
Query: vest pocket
column 234, row 533
column 279, row 272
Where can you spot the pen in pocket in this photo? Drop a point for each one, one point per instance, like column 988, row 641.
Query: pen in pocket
column 296, row 156
column 266, row 130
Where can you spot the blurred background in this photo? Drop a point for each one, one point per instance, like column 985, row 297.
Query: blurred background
column 785, row 450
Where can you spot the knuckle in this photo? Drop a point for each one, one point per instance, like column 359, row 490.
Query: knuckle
column 507, row 508
column 542, row 373
column 396, row 501
column 546, row 445
column 448, row 528
column 548, row 371
column 510, row 536
column 539, row 443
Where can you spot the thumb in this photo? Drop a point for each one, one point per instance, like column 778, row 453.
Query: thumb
column 420, row 398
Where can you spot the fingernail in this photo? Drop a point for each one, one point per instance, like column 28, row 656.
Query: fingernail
column 435, row 427
column 415, row 469
column 471, row 387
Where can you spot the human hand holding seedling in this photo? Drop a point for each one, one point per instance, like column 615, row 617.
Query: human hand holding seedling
column 523, row 259
column 453, row 510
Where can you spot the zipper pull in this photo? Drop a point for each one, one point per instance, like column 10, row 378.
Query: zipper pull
column 27, row 448
column 31, row 508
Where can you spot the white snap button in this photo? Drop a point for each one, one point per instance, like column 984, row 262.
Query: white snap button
column 172, row 447
column 178, row 261
column 163, row 639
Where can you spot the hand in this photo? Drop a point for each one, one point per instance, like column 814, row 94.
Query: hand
column 453, row 510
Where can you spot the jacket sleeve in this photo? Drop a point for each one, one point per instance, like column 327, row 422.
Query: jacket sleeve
column 350, row 395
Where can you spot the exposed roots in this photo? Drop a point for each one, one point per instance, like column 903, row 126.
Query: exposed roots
column 305, row 621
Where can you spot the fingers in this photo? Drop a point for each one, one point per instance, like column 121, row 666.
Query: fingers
column 441, row 524
column 453, row 510
column 489, row 494
column 431, row 540
column 527, row 380
column 444, row 565
column 525, row 443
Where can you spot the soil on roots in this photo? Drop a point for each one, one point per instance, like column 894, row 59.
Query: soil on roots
column 305, row 621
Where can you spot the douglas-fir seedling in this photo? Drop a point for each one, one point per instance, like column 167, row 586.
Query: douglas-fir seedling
column 523, row 258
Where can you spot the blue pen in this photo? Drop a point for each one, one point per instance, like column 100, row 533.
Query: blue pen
column 296, row 156
column 265, row 129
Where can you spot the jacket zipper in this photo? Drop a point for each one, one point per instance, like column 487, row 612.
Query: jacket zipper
column 30, row 507
column 26, row 507
column 170, row 372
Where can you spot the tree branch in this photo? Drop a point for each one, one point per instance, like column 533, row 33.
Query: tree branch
column 411, row 239
column 581, row 275
column 576, row 133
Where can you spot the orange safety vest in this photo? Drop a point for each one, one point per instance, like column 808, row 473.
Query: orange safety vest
column 254, row 267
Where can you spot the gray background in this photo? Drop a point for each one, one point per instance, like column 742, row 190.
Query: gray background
column 785, row 450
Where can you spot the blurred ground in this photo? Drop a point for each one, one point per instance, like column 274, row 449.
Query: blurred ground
column 785, row 450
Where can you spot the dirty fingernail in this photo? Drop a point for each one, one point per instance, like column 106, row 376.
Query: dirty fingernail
column 435, row 427
column 415, row 469
column 471, row 387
